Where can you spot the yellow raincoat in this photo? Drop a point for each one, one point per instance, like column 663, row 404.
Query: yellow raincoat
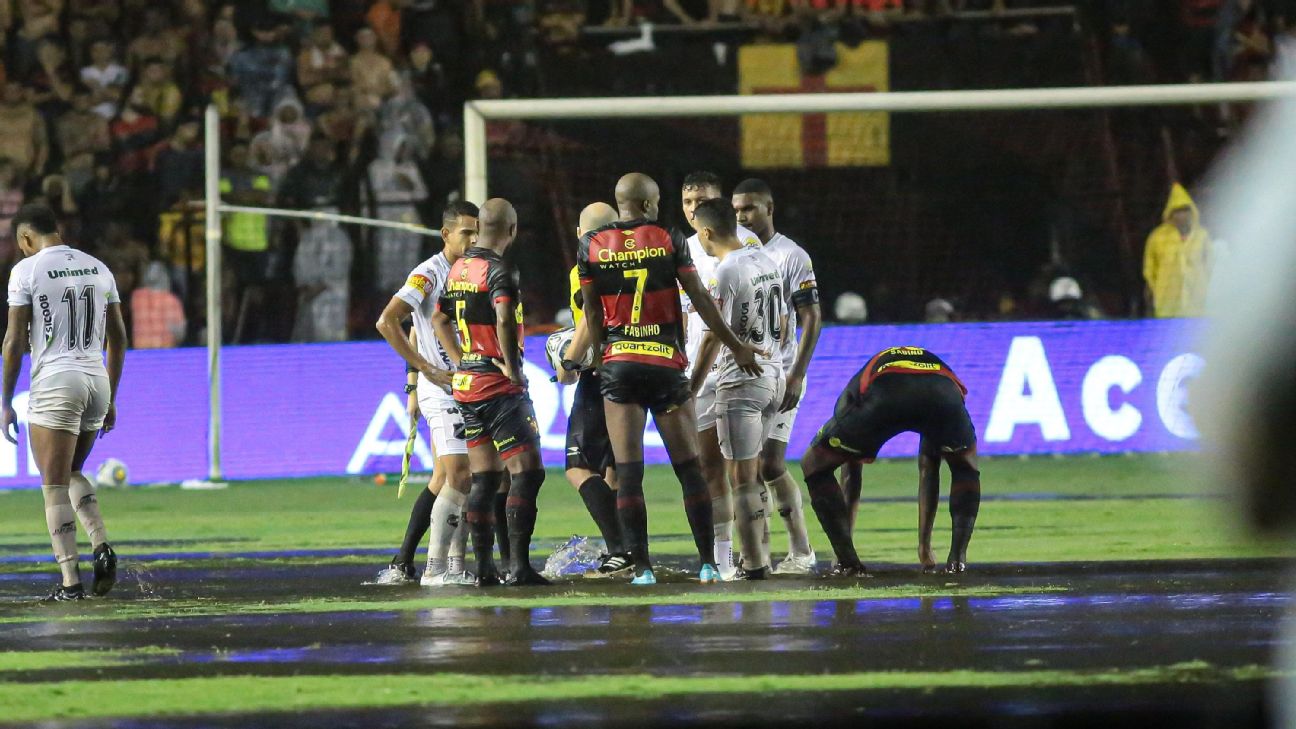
column 1175, row 265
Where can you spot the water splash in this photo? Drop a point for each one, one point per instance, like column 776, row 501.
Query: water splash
column 577, row 557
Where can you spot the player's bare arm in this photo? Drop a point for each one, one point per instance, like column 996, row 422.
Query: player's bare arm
column 809, row 323
column 389, row 326
column 15, row 336
column 445, row 334
column 411, row 385
column 506, row 330
column 594, row 320
column 706, row 357
column 744, row 354
column 115, row 335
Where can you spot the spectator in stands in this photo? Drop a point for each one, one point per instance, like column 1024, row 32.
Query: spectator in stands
column 322, row 273
column 158, row 320
column 404, row 113
column 102, row 201
column 224, row 41
column 289, row 132
column 372, row 74
column 105, row 78
column 396, row 188
column 339, row 121
column 159, row 92
column 81, row 134
column 1176, row 259
column 432, row 85
column 23, row 137
column 11, row 198
column 157, row 40
column 134, row 132
column 1066, row 301
column 247, row 237
column 938, row 311
column 1197, row 21
column 52, row 82
column 178, row 165
column 384, row 17
column 316, row 181
column 261, row 70
column 321, row 61
column 35, row 22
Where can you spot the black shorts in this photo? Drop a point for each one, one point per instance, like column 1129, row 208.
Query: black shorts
column 588, row 446
column 929, row 405
column 660, row 389
column 508, row 421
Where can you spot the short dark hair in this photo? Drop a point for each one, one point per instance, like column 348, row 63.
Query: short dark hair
column 753, row 186
column 457, row 208
column 700, row 179
column 39, row 216
column 718, row 215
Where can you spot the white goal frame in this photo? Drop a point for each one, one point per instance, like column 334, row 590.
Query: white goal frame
column 477, row 113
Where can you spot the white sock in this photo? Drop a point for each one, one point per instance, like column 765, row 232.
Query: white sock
column 787, row 495
column 86, row 504
column 447, row 514
column 722, row 519
column 753, row 524
column 457, row 547
column 61, row 521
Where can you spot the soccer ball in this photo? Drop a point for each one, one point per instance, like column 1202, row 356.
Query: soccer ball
column 112, row 474
column 557, row 344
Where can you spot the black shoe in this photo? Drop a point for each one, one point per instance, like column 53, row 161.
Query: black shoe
column 760, row 573
column 487, row 575
column 393, row 574
column 855, row 570
column 105, row 569
column 526, row 577
column 66, row 594
column 614, row 563
column 954, row 567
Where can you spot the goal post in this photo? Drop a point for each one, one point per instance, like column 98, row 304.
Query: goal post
column 477, row 113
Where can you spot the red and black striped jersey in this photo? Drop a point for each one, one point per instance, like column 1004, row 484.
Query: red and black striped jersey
column 635, row 268
column 903, row 361
column 475, row 283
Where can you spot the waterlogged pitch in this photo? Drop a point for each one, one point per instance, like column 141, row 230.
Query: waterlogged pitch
column 1101, row 591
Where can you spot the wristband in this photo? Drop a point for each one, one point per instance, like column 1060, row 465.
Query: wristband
column 410, row 369
column 410, row 388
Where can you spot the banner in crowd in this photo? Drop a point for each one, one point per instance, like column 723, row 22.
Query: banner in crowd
column 332, row 409
column 844, row 139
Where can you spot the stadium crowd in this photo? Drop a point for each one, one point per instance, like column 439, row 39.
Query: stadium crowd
column 354, row 105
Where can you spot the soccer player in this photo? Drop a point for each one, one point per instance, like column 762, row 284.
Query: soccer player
column 430, row 369
column 745, row 288
column 500, row 425
column 630, row 274
column 590, row 465
column 65, row 304
column 899, row 389
column 697, row 188
column 754, row 202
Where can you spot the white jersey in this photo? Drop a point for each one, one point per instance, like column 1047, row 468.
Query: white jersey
column 705, row 265
column 746, row 290
column 69, row 292
column 422, row 289
column 797, row 285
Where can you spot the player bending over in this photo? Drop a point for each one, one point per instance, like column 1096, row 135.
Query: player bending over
column 590, row 467
column 745, row 289
column 699, row 187
column 73, row 394
column 440, row 505
column 900, row 389
column 754, row 202
column 483, row 299
column 630, row 274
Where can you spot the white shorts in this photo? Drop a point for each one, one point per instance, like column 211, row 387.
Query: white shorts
column 745, row 413
column 75, row 402
column 783, row 422
column 444, row 421
column 705, row 402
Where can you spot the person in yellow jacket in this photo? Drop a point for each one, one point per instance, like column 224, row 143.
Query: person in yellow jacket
column 1176, row 258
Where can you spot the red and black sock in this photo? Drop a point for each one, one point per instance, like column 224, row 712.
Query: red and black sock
column 601, row 502
column 830, row 506
column 480, row 516
column 964, row 503
column 521, row 515
column 697, row 506
column 632, row 514
column 419, row 520
column 501, row 521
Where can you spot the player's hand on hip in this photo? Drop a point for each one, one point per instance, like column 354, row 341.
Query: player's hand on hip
column 745, row 358
column 110, row 420
column 9, row 419
column 439, row 377
column 791, row 395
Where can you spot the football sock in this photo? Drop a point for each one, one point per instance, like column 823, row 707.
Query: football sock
column 830, row 506
column 600, row 501
column 86, row 504
column 501, row 520
column 445, row 523
column 753, row 524
column 455, row 557
column 521, row 511
column 787, row 494
column 964, row 503
column 722, row 519
column 631, row 513
column 61, row 520
column 481, row 515
column 697, row 506
column 420, row 517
